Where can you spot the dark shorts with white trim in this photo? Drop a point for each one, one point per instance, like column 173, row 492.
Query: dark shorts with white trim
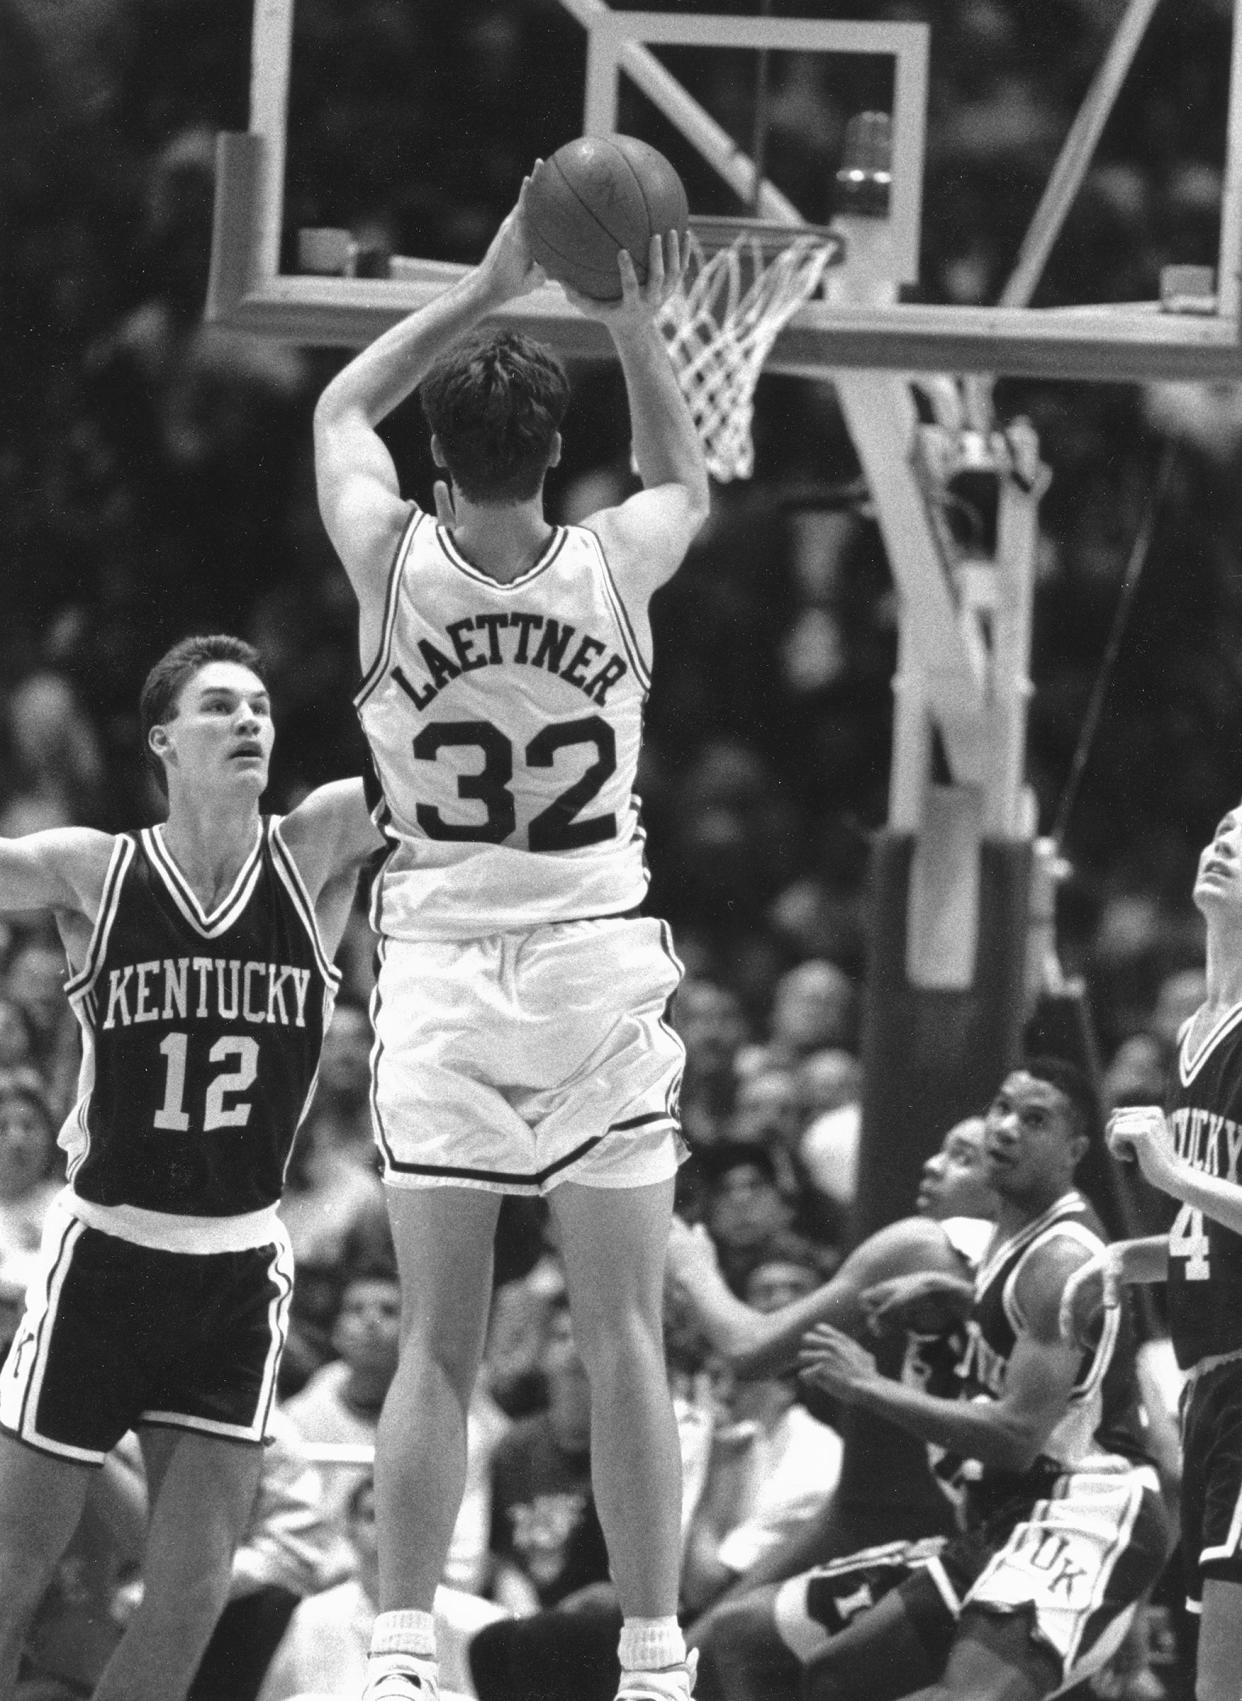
column 1075, row 1561
column 1211, row 1498
column 115, row 1336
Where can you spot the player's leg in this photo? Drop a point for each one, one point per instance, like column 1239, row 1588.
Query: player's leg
column 1219, row 1668
column 41, row 1501
column 444, row 1239
column 995, row 1657
column 201, row 1489
column 613, row 1244
column 742, row 1654
column 887, row 1651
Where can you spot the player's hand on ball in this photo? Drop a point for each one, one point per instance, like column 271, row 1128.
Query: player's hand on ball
column 508, row 264
column 639, row 302
column 1141, row 1134
column 834, row 1363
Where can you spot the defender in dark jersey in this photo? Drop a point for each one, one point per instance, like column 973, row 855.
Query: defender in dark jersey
column 200, row 957
column 1191, row 1149
column 1063, row 1527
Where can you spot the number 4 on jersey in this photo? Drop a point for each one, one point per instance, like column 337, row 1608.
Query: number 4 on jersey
column 1188, row 1239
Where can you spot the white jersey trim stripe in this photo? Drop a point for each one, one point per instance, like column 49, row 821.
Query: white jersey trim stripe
column 291, row 877
column 456, row 559
column 226, row 912
column 123, row 852
column 392, row 597
column 642, row 669
column 1189, row 1063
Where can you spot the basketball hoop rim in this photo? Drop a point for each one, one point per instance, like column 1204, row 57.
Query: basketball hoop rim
column 714, row 232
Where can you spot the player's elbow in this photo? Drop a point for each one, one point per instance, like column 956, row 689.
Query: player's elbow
column 1017, row 1443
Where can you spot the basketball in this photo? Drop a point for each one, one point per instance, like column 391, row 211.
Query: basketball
column 596, row 195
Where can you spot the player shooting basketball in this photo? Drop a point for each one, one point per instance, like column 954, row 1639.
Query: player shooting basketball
column 522, row 1046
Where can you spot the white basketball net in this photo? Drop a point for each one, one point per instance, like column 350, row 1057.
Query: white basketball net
column 720, row 327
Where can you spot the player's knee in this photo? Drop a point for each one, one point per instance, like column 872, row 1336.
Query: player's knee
column 741, row 1641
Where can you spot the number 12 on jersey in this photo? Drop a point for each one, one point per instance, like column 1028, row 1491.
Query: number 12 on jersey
column 1188, row 1239
column 173, row 1115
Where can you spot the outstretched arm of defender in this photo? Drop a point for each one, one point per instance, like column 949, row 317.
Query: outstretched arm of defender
column 764, row 1343
column 61, row 869
column 1007, row 1432
column 330, row 835
column 359, row 496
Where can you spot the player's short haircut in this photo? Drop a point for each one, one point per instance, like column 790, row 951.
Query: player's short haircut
column 167, row 679
column 496, row 400
column 1074, row 1085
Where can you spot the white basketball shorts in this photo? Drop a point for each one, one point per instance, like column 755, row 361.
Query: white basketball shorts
column 520, row 1060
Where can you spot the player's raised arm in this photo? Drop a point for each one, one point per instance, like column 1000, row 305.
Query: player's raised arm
column 647, row 537
column 330, row 835
column 765, row 1343
column 359, row 496
column 60, row 869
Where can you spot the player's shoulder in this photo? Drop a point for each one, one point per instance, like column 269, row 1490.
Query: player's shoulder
column 645, row 538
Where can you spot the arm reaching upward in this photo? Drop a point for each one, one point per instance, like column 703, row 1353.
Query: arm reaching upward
column 359, row 497
column 647, row 536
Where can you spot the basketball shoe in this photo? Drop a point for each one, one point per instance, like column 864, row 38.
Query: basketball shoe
column 672, row 1683
column 401, row 1677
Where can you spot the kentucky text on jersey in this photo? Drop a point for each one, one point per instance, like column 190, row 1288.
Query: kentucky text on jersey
column 204, row 988
column 1207, row 1141
column 517, row 638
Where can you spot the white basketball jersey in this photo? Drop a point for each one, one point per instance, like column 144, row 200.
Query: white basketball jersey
column 504, row 722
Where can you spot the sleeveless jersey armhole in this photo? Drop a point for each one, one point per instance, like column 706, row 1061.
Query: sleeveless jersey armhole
column 640, row 663
column 291, row 877
column 123, row 852
column 396, row 574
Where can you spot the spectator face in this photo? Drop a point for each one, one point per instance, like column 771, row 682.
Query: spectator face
column 368, row 1324
column 828, row 1079
column 16, row 1038
column 765, row 1103
column 955, row 1179
column 775, row 1285
column 27, row 1141
column 36, row 981
column 710, row 1024
column 1136, row 1073
column 813, row 1008
column 745, row 1208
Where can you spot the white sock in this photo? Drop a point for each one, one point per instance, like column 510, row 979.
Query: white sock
column 650, row 1644
column 411, row 1633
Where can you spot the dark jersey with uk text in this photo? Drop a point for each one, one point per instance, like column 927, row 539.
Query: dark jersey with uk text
column 1205, row 1257
column 201, row 1034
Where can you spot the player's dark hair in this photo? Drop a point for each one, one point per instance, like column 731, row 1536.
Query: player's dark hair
column 495, row 400
column 164, row 684
column 1075, row 1086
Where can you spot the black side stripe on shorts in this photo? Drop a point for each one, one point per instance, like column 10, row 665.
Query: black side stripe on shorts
column 512, row 1178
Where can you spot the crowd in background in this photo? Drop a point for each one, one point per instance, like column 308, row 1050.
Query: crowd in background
column 155, row 479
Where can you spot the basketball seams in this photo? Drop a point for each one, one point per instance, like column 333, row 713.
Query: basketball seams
column 591, row 199
column 616, row 153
